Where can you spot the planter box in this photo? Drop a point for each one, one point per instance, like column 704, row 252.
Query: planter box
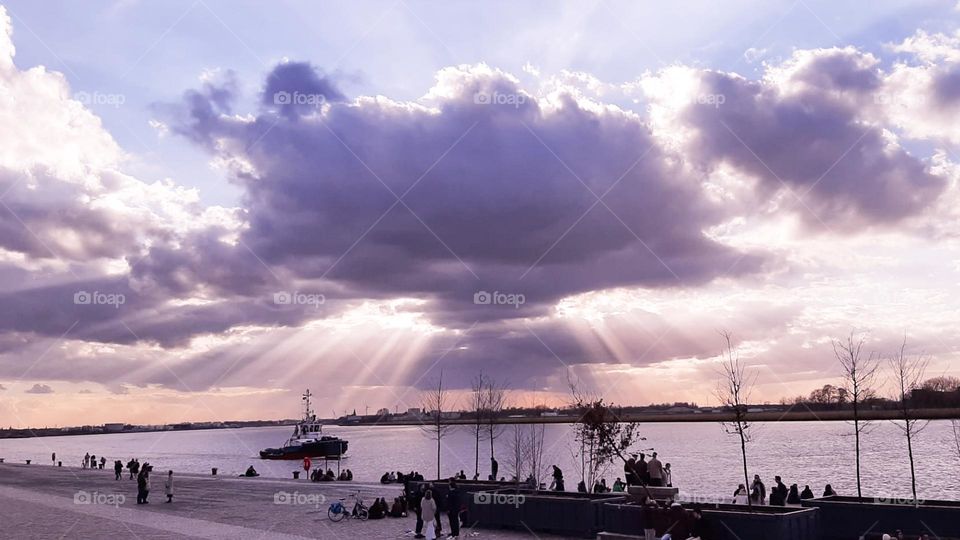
column 658, row 493
column 563, row 513
column 725, row 521
column 849, row 517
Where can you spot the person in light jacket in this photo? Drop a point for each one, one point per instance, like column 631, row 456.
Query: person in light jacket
column 168, row 486
column 428, row 509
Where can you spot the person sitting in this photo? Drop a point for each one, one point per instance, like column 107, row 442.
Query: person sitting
column 597, row 488
column 376, row 511
column 393, row 477
column 476, row 476
column 329, row 477
column 315, row 475
column 399, row 508
column 603, row 484
column 581, row 487
column 618, row 485
column 342, row 477
column 385, row 479
column 250, row 472
column 349, row 475
column 828, row 491
column 807, row 493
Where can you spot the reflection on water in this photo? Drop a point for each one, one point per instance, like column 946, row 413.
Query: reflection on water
column 705, row 461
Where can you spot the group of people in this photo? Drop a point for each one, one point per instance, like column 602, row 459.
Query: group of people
column 89, row 461
column 429, row 509
column 673, row 521
column 399, row 477
column 779, row 494
column 640, row 472
column 380, row 509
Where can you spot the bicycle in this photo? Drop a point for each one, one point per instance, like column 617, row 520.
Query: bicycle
column 338, row 510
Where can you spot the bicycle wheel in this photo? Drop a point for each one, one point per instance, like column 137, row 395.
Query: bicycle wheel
column 335, row 516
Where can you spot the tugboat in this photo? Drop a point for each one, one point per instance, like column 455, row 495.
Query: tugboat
column 308, row 439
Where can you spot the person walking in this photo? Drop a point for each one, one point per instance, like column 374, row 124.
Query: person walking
column 655, row 471
column 118, row 469
column 141, row 487
column 168, row 486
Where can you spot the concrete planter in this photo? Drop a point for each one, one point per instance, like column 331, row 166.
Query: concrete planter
column 563, row 513
column 849, row 517
column 725, row 521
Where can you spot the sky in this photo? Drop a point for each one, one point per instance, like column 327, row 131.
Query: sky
column 207, row 207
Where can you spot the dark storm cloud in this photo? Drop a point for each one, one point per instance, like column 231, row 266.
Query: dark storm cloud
column 497, row 194
column 295, row 88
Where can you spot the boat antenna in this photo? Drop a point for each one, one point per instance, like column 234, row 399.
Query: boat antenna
column 307, row 411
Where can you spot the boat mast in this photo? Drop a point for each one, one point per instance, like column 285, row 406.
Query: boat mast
column 307, row 411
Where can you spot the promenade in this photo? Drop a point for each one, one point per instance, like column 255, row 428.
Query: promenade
column 41, row 501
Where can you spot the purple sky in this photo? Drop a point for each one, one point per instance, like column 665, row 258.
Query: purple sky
column 314, row 222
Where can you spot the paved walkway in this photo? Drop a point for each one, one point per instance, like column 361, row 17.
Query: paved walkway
column 39, row 501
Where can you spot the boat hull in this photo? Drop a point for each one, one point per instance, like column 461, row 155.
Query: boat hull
column 332, row 449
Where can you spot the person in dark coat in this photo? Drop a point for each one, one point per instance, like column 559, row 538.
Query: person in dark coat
column 118, row 469
column 807, row 493
column 415, row 498
column 778, row 495
column 453, row 509
column 494, row 467
column 794, row 496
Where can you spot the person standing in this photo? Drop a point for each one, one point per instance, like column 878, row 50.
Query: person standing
column 168, row 486
column 118, row 469
column 778, row 496
column 629, row 470
column 758, row 491
column 668, row 475
column 103, row 461
column 494, row 468
column 453, row 509
column 53, row 458
column 642, row 470
column 428, row 509
column 141, row 487
column 416, row 500
column 655, row 471
column 86, row 460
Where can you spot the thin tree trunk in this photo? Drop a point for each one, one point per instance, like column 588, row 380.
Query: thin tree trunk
column 856, row 429
column 746, row 475
column 913, row 472
column 476, row 457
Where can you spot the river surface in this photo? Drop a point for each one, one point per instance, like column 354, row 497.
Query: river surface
column 705, row 460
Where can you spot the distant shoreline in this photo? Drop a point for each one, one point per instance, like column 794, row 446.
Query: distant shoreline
column 663, row 417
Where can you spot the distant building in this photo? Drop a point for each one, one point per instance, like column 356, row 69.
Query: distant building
column 112, row 428
column 549, row 413
column 383, row 412
column 413, row 411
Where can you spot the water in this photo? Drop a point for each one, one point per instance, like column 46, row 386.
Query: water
column 706, row 462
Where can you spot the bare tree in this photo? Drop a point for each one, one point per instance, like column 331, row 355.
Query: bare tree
column 494, row 401
column 535, row 447
column 519, row 451
column 859, row 378
column 527, row 446
column 907, row 374
column 478, row 405
column 435, row 402
column 733, row 392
